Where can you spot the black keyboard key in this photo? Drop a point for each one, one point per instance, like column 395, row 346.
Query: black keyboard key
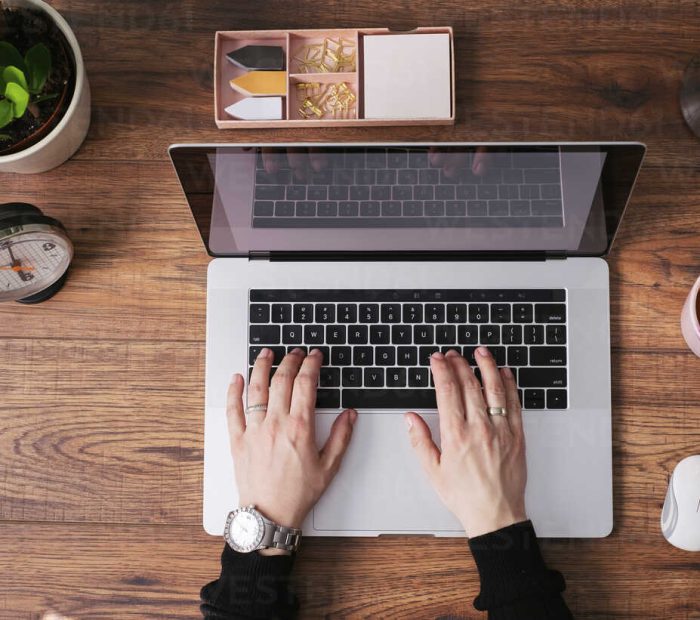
column 278, row 353
column 347, row 313
column 402, row 192
column 466, row 192
column 512, row 334
column 327, row 209
column 397, row 159
column 487, row 192
column 396, row 377
column 370, row 208
column 381, row 192
column 385, row 356
column 423, row 192
column 341, row 356
column 546, row 207
column 259, row 313
column 269, row 192
column 379, row 334
column 357, row 334
column 263, row 208
column 418, row 377
column 500, row 313
column 317, row 192
column 478, row 313
column 386, row 177
column 336, row 334
column 374, row 377
column 296, row 192
column 522, row 313
column 446, row 334
column 327, row 399
column 468, row 354
column 325, row 353
column 391, row 313
column 303, row 313
column 534, row 334
column 499, row 354
column 348, row 208
column 477, row 208
column 424, row 354
column 322, row 177
column 489, row 334
column 369, row 313
column 445, row 192
column 389, row 399
column 550, row 191
column 391, row 208
column 468, row 334
column 423, row 334
column 355, row 160
column 550, row 313
column 281, row 313
column 325, row 313
column 407, row 356
column 329, row 377
column 456, row 208
column 542, row 377
column 291, row 348
column 557, row 399
column 413, row 208
column 292, row 334
column 429, row 176
column 305, row 208
column 556, row 334
column 543, row 175
column 343, row 176
column 435, row 313
column 412, row 313
column 517, row 356
column 530, row 192
column 359, row 192
column 313, row 334
column 338, row 192
column 547, row 356
column 407, row 177
column 456, row 313
column 401, row 334
column 434, row 208
column 534, row 399
column 498, row 208
column 520, row 208
column 253, row 353
column 365, row 177
column 362, row 356
column 264, row 334
column 417, row 159
column 376, row 158
column 352, row 377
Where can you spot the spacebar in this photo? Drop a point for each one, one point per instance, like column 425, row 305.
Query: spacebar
column 389, row 399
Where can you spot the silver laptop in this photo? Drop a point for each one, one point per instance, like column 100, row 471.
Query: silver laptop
column 380, row 254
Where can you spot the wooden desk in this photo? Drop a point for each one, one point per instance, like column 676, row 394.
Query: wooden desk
column 102, row 388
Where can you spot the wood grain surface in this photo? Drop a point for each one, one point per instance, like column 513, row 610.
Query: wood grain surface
column 101, row 389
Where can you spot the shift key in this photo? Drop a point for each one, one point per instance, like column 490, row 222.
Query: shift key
column 542, row 377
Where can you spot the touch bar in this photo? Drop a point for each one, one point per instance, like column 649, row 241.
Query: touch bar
column 408, row 295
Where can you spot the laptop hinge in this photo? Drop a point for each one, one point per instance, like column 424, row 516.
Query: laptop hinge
column 404, row 256
column 556, row 255
column 258, row 255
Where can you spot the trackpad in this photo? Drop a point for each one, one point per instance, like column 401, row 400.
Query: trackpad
column 381, row 487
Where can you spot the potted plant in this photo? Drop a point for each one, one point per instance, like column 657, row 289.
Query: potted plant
column 44, row 92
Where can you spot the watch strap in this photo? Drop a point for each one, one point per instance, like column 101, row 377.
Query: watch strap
column 280, row 537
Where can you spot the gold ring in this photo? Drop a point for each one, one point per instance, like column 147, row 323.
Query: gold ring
column 497, row 411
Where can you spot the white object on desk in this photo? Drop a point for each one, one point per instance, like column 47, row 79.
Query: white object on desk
column 257, row 109
column 680, row 519
column 407, row 76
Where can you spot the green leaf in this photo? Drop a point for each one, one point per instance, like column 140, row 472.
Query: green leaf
column 10, row 56
column 4, row 136
column 6, row 112
column 38, row 60
column 18, row 96
column 13, row 74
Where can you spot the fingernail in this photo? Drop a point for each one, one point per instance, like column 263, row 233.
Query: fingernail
column 264, row 353
column 478, row 168
column 353, row 416
column 507, row 372
column 451, row 353
column 315, row 352
column 409, row 422
column 437, row 355
column 298, row 351
column 484, row 352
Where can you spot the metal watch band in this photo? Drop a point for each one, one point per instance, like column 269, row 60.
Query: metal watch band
column 280, row 537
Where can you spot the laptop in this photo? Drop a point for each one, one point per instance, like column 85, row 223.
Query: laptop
column 380, row 254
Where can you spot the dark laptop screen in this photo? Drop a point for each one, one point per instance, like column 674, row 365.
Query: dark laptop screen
column 459, row 198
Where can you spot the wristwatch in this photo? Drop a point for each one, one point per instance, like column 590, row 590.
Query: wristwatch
column 248, row 530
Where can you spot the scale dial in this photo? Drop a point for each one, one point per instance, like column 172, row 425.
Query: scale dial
column 34, row 255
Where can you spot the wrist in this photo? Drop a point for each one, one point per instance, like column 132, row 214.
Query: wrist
column 474, row 528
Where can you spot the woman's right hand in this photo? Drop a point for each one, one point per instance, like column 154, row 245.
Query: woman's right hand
column 480, row 471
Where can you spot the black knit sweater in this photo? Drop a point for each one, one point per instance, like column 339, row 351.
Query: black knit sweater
column 515, row 583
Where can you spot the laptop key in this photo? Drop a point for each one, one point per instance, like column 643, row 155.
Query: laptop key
column 389, row 399
column 335, row 334
column 512, row 334
column 423, row 334
column 386, row 177
column 264, row 334
column 357, row 334
column 269, row 192
column 434, row 208
column 412, row 313
column 317, row 192
column 391, row 208
column 478, row 313
column 413, row 208
column 534, row 334
column 466, row 192
column 548, row 356
column 468, row 334
column 296, row 192
column 435, row 313
column 379, row 334
column 424, row 354
column 325, row 313
column 359, row 192
column 407, row 177
column 327, row 399
column 407, row 356
column 418, row 377
column 499, row 354
column 341, row 356
column 352, row 377
column 489, row 334
column 369, row 313
column 259, row 313
column 374, row 377
column 292, row 334
column 313, row 334
column 396, row 377
column 517, row 356
column 556, row 399
column 338, row 192
column 456, row 207
column 348, row 208
column 400, row 334
column 327, row 208
column 391, row 313
column 263, row 208
column 365, row 177
column 362, row 356
column 542, row 377
column 468, row 354
column 281, row 313
column 550, row 313
column 370, row 208
column 456, row 313
column 284, row 208
column 278, row 353
column 385, row 356
column 534, row 399
column 445, row 192
column 329, row 377
column 500, row 313
column 347, row 313
column 423, row 192
column 402, row 192
column 556, row 334
column 303, row 313
column 446, row 334
column 522, row 313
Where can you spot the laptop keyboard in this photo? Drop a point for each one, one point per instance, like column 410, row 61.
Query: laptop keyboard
column 377, row 344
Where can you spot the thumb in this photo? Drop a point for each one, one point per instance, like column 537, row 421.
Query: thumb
column 422, row 442
column 338, row 440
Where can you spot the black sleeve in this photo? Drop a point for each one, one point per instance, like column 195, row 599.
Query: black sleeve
column 515, row 583
column 250, row 586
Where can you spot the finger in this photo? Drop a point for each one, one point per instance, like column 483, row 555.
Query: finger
column 337, row 443
column 449, row 395
column 235, row 416
column 483, row 161
column 273, row 160
column 475, row 406
column 283, row 383
column 258, row 387
column 454, row 163
column 305, row 386
column 422, row 443
column 318, row 160
column 515, row 412
column 494, row 390
column 299, row 163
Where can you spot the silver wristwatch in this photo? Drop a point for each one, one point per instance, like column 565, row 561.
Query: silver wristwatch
column 247, row 530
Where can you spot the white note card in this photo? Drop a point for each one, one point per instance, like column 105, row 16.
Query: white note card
column 407, row 76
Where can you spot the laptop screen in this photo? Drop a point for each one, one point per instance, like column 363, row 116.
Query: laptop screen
column 450, row 197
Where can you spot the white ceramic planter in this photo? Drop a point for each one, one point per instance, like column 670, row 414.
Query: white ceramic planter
column 65, row 139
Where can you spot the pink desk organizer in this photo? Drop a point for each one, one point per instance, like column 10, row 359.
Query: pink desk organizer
column 690, row 321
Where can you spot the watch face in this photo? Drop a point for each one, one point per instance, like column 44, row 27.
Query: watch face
column 245, row 530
